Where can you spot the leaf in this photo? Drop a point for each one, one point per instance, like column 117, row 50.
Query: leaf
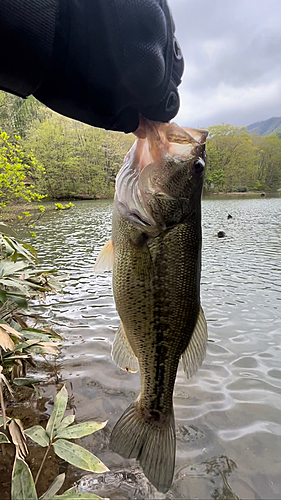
column 2, row 420
column 18, row 299
column 78, row 456
column 23, row 487
column 3, row 296
column 43, row 348
column 80, row 430
column 38, row 434
column 78, row 496
column 54, row 488
column 66, row 422
column 26, row 381
column 72, row 493
column 3, row 438
column 15, row 283
column 18, row 438
column 5, row 341
column 10, row 330
column 38, row 334
column 57, row 413
column 8, row 268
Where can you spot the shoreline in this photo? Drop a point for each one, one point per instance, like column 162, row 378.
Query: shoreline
column 11, row 213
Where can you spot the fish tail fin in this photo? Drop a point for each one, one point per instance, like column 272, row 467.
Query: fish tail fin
column 151, row 440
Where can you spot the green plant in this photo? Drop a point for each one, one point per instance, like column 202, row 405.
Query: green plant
column 21, row 279
column 58, row 433
column 18, row 170
column 60, row 206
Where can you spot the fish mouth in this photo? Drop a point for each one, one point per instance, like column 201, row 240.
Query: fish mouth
column 136, row 182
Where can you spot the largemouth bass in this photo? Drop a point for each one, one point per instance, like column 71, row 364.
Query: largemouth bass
column 155, row 253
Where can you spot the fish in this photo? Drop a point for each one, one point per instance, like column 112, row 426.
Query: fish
column 155, row 254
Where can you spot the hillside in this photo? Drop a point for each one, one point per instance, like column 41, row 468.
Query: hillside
column 266, row 127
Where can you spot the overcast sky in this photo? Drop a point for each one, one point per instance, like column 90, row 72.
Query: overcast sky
column 232, row 52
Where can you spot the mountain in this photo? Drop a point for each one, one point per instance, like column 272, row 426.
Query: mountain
column 267, row 127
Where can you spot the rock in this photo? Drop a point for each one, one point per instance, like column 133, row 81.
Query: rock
column 221, row 234
column 129, row 483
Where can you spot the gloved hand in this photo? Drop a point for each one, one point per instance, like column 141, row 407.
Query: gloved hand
column 114, row 59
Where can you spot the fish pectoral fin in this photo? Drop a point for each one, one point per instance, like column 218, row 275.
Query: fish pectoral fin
column 122, row 353
column 194, row 354
column 105, row 258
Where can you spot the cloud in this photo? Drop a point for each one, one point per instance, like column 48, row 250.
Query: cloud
column 232, row 60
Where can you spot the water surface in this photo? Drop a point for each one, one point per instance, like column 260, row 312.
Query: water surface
column 229, row 416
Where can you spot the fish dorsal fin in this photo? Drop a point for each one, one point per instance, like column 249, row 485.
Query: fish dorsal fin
column 194, row 354
column 122, row 353
column 105, row 258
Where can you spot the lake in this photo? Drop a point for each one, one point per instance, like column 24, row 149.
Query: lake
column 228, row 417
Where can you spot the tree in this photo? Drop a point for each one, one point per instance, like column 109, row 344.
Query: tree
column 232, row 159
column 18, row 171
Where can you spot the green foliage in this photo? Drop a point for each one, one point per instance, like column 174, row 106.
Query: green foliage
column 81, row 162
column 238, row 161
column 20, row 280
column 18, row 172
column 60, row 206
column 23, row 484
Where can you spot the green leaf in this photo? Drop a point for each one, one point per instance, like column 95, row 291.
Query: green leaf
column 3, row 438
column 23, row 487
column 3, row 296
column 80, row 430
column 57, row 413
column 73, row 494
column 78, row 456
column 38, row 434
column 2, row 421
column 26, row 381
column 8, row 268
column 78, row 496
column 54, row 488
column 70, row 493
column 18, row 299
column 66, row 422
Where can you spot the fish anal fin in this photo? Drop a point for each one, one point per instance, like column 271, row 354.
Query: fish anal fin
column 194, row 355
column 122, row 353
column 105, row 258
column 151, row 443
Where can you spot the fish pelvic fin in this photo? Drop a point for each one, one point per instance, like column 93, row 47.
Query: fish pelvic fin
column 149, row 439
column 122, row 353
column 105, row 258
column 195, row 352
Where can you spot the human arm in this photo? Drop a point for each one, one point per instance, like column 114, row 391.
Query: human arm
column 102, row 62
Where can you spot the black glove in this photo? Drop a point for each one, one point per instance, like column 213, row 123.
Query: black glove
column 111, row 60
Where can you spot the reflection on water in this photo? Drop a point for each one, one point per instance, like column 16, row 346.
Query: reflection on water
column 229, row 416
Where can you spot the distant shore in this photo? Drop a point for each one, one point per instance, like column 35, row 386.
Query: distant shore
column 247, row 193
column 11, row 213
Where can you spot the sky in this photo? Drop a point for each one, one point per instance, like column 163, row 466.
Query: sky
column 232, row 53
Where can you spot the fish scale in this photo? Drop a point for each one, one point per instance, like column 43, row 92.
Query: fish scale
column 156, row 242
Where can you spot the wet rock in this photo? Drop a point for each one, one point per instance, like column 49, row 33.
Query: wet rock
column 121, row 484
column 221, row 234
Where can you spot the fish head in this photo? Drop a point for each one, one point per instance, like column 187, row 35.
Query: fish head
column 161, row 181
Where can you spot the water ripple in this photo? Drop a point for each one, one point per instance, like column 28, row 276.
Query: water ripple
column 235, row 401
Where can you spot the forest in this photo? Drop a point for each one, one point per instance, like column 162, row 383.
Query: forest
column 45, row 155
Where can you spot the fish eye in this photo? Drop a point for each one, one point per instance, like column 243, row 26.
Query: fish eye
column 198, row 166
